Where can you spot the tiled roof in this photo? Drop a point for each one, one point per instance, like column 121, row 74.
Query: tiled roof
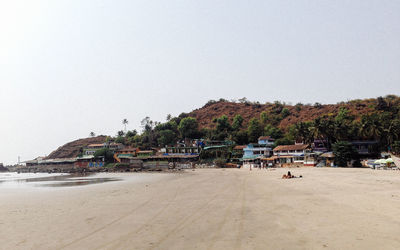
column 291, row 147
column 96, row 145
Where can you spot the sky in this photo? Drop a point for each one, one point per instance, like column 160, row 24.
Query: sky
column 71, row 67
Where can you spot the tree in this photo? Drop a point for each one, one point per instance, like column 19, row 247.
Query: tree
column 396, row 147
column 105, row 153
column 381, row 104
column 370, row 126
column 125, row 122
column 254, row 130
column 223, row 128
column 393, row 131
column 131, row 133
column 188, row 128
column 167, row 137
column 240, row 137
column 120, row 139
column 92, row 134
column 120, row 133
column 285, row 112
column 283, row 141
column 237, row 123
column 301, row 131
column 272, row 131
column 344, row 152
column 263, row 118
column 169, row 117
column 147, row 124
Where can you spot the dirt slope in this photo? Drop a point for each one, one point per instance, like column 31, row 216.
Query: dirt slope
column 206, row 114
column 72, row 149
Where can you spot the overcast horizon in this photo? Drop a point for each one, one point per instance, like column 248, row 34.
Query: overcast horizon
column 71, row 67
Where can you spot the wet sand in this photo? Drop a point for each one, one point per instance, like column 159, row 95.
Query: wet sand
column 210, row 209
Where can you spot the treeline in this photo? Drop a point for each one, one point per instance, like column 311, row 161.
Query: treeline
column 382, row 124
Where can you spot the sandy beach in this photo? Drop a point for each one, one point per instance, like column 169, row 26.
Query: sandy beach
column 210, row 209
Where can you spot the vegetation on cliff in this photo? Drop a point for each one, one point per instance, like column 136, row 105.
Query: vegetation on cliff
column 243, row 121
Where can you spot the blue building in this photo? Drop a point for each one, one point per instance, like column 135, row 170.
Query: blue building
column 254, row 151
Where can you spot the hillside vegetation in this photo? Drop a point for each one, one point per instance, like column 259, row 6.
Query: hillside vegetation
column 276, row 111
column 244, row 121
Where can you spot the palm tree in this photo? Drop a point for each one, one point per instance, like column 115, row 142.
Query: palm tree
column 125, row 122
column 392, row 132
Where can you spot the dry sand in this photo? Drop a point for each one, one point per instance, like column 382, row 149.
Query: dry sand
column 211, row 209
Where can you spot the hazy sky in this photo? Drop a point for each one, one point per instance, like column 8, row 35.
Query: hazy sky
column 71, row 67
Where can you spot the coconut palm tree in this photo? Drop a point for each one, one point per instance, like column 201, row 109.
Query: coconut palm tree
column 125, row 122
column 392, row 132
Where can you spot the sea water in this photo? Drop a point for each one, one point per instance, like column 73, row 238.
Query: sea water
column 24, row 180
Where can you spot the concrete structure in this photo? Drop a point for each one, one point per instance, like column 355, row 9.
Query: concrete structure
column 91, row 149
column 366, row 148
column 294, row 155
column 180, row 150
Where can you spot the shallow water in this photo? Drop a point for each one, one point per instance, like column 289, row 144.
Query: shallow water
column 24, row 180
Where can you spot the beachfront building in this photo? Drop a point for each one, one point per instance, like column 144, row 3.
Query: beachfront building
column 125, row 153
column 366, row 148
column 215, row 149
column 294, row 155
column 91, row 149
column 145, row 153
column 320, row 146
column 86, row 161
column 252, row 154
column 180, row 150
column 237, row 153
column 51, row 164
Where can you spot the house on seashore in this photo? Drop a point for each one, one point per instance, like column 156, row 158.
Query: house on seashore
column 91, row 149
column 213, row 149
column 124, row 154
column 366, row 148
column 297, row 155
column 237, row 154
column 254, row 152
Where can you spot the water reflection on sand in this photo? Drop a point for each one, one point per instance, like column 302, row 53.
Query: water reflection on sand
column 51, row 180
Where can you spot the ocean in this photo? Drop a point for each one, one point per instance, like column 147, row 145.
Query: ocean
column 43, row 180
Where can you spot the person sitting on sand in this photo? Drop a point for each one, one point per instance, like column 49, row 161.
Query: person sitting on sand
column 290, row 176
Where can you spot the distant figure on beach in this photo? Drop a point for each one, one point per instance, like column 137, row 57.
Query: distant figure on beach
column 290, row 176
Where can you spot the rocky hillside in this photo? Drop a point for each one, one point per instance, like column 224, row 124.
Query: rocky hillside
column 297, row 113
column 72, row 149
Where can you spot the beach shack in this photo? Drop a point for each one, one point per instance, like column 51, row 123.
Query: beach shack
column 328, row 159
column 91, row 149
column 294, row 155
column 237, row 154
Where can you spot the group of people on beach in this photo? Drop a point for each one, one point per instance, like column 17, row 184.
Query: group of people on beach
column 290, row 176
